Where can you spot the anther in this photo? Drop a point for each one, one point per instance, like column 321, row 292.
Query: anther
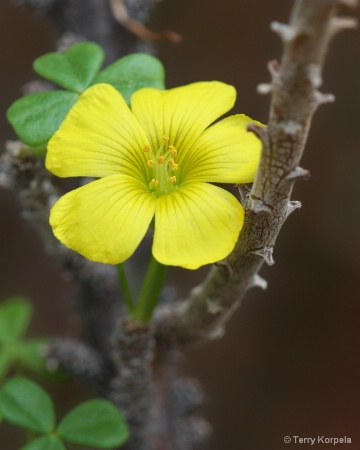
column 150, row 163
column 172, row 179
column 154, row 182
column 160, row 159
column 147, row 148
column 166, row 138
column 174, row 167
column 173, row 150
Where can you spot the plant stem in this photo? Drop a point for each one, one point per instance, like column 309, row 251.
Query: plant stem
column 150, row 291
column 125, row 288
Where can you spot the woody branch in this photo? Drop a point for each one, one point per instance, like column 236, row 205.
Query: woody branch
column 295, row 94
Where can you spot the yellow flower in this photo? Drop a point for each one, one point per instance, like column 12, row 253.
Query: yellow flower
column 153, row 161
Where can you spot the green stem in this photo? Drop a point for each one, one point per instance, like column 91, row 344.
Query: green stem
column 125, row 288
column 150, row 291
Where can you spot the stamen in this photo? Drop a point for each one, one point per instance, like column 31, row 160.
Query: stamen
column 162, row 163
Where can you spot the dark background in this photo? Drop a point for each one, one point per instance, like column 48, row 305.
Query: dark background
column 289, row 363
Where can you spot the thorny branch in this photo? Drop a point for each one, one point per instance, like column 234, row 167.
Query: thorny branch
column 295, row 97
column 135, row 365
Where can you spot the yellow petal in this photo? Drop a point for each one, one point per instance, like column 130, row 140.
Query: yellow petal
column 99, row 137
column 225, row 153
column 198, row 224
column 181, row 113
column 104, row 220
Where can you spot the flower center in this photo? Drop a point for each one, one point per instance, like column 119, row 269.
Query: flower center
column 163, row 167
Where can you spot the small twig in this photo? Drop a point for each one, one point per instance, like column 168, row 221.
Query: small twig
column 77, row 359
column 122, row 16
column 98, row 294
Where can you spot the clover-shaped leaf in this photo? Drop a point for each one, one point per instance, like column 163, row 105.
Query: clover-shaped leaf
column 133, row 72
column 27, row 405
column 15, row 349
column 74, row 69
column 95, row 423
column 15, row 315
column 46, row 442
column 36, row 117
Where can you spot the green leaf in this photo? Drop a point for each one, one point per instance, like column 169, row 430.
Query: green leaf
column 74, row 69
column 36, row 117
column 95, row 423
column 30, row 356
column 15, row 315
column 48, row 442
column 27, row 405
column 132, row 73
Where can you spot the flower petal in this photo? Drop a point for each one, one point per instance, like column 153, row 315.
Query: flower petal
column 225, row 153
column 99, row 137
column 181, row 113
column 198, row 224
column 104, row 220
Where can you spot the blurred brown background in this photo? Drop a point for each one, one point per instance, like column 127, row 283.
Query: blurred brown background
column 289, row 362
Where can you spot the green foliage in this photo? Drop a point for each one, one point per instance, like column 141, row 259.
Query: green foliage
column 133, row 72
column 74, row 69
column 15, row 350
column 96, row 423
column 29, row 356
column 15, row 315
column 46, row 442
column 27, row 405
column 36, row 117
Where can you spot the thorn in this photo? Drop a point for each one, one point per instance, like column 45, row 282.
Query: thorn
column 274, row 69
column 256, row 206
column 297, row 173
column 266, row 253
column 226, row 266
column 264, row 88
column 260, row 282
column 286, row 32
column 217, row 333
column 213, row 307
column 314, row 75
column 259, row 130
column 321, row 99
column 291, row 128
column 244, row 192
column 339, row 24
column 291, row 207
